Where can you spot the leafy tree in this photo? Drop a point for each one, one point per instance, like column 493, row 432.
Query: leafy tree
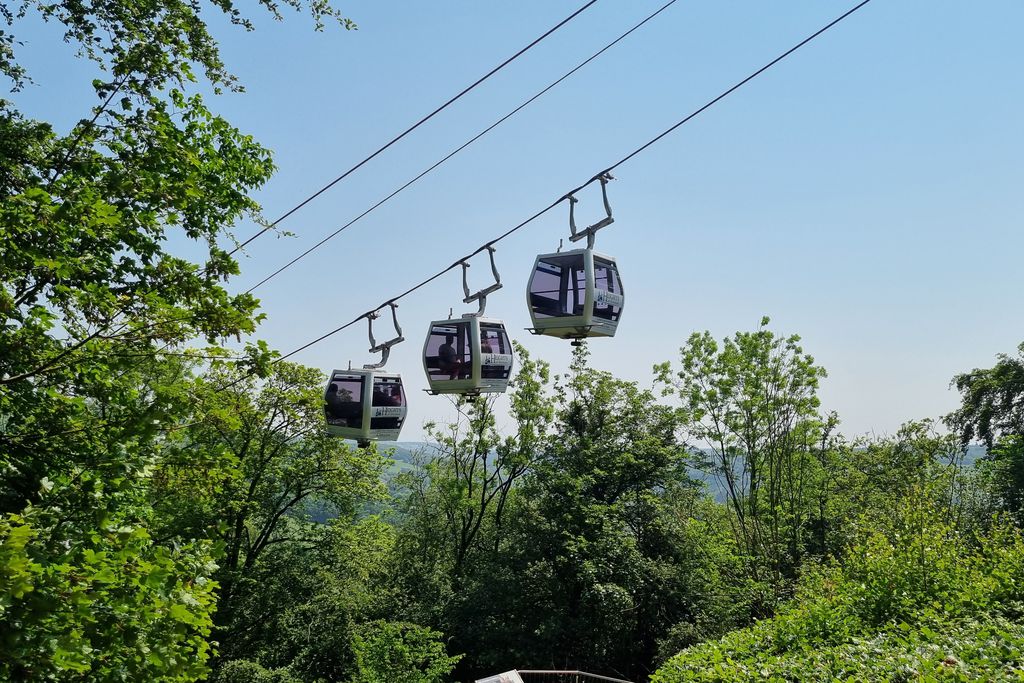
column 305, row 601
column 243, row 472
column 914, row 599
column 992, row 410
column 992, row 400
column 454, row 516
column 95, row 312
column 244, row 671
column 86, row 594
column 603, row 562
column 1002, row 477
column 470, row 477
column 388, row 651
column 751, row 404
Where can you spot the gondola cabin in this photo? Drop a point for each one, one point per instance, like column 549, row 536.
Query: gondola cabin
column 575, row 294
column 468, row 355
column 365, row 405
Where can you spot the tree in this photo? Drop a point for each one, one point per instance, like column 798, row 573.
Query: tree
column 95, row 314
column 992, row 410
column 752, row 405
column 244, row 472
column 600, row 566
column 387, row 652
column 454, row 518
column 992, row 401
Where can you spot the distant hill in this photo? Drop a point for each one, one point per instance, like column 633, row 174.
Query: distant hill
column 404, row 454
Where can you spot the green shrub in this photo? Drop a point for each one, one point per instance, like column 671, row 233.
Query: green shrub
column 245, row 671
column 388, row 652
column 913, row 600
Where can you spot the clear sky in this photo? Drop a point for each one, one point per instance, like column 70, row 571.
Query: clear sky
column 866, row 193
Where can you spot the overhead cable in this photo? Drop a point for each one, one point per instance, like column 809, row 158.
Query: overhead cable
column 461, row 147
column 413, row 127
column 596, row 177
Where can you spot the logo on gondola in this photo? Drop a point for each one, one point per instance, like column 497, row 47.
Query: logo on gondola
column 605, row 298
column 496, row 359
column 379, row 411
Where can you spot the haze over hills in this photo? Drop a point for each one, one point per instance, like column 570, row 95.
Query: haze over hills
column 405, row 453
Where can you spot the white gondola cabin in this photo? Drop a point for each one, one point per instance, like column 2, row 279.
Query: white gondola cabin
column 365, row 405
column 575, row 294
column 468, row 355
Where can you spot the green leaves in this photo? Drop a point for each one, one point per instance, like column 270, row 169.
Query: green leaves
column 96, row 383
column 388, row 651
column 78, row 599
column 750, row 405
column 914, row 600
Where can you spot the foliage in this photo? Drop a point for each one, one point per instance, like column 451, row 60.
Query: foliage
column 85, row 593
column 991, row 410
column 455, row 513
column 991, row 400
column 245, row 671
column 914, row 599
column 95, row 315
column 303, row 601
column 1002, row 477
column 751, row 404
column 389, row 651
column 606, row 546
column 263, row 445
column 989, row 649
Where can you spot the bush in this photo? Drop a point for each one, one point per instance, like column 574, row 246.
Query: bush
column 914, row 600
column 387, row 652
column 245, row 671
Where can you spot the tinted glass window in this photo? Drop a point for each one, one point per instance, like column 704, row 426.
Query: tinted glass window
column 559, row 287
column 608, row 296
column 448, row 353
column 496, row 361
column 343, row 401
column 388, row 393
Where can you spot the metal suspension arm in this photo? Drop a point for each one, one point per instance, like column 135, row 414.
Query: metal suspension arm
column 384, row 348
column 589, row 232
column 480, row 296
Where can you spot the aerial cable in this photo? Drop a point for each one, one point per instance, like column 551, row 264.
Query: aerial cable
column 461, row 147
column 413, row 127
column 737, row 86
column 596, row 178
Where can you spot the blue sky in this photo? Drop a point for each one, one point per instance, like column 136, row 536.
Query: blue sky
column 866, row 193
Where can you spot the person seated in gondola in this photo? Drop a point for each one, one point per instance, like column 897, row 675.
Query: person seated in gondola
column 338, row 409
column 384, row 397
column 381, row 398
column 448, row 361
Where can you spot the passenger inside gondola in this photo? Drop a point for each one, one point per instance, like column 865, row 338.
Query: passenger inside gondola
column 448, row 360
column 448, row 353
column 493, row 340
column 341, row 409
column 334, row 402
column 386, row 394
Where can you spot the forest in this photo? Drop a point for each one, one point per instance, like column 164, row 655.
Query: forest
column 172, row 509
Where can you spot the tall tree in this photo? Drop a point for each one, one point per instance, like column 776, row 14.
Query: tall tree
column 992, row 400
column 246, row 471
column 454, row 522
column 597, row 571
column 94, row 309
column 992, row 411
column 751, row 406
